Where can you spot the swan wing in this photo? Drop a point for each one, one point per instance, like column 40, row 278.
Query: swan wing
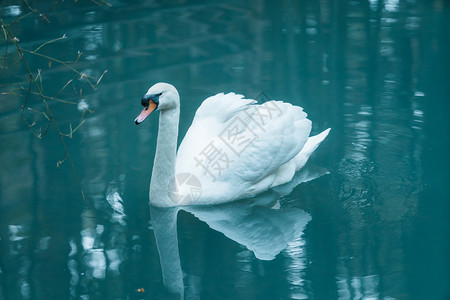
column 233, row 140
column 276, row 131
column 209, row 122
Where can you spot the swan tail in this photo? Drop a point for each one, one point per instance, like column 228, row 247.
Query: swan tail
column 310, row 146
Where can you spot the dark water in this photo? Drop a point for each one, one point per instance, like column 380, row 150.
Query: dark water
column 376, row 227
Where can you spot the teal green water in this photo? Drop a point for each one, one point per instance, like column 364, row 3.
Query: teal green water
column 376, row 226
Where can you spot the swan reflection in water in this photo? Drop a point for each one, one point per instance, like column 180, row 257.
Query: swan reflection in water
column 257, row 223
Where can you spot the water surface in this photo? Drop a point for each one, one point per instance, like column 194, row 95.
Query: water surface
column 375, row 227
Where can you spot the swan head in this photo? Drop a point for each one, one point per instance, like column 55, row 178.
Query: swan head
column 161, row 96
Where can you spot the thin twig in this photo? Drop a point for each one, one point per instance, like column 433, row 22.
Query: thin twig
column 101, row 77
column 72, row 131
column 62, row 89
column 6, row 50
column 39, row 112
column 45, row 18
column 17, row 20
column 40, row 78
column 51, row 8
column 29, row 7
column 49, row 42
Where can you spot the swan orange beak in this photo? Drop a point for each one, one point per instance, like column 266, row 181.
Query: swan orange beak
column 145, row 113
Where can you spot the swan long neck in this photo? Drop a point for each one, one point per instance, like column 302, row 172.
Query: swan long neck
column 164, row 222
column 163, row 174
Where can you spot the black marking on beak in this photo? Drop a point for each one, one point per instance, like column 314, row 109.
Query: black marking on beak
column 145, row 101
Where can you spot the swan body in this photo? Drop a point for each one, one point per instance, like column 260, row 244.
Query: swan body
column 235, row 148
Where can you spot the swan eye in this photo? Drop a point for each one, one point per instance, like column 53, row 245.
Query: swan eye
column 145, row 101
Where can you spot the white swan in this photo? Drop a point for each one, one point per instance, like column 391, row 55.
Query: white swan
column 234, row 148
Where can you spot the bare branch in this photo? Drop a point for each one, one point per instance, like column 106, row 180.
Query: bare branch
column 35, row 84
column 60, row 91
column 101, row 77
column 17, row 20
column 49, row 42
column 64, row 63
column 51, row 8
column 48, row 114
